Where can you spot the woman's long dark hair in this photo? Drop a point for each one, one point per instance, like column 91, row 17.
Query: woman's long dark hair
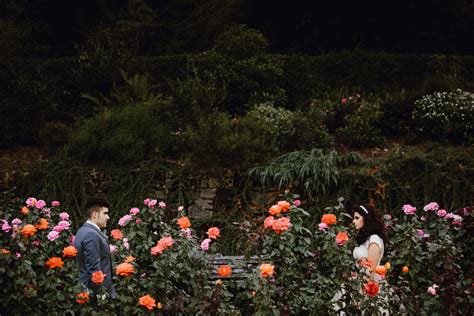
column 373, row 223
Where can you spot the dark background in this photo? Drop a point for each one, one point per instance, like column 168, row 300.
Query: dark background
column 50, row 28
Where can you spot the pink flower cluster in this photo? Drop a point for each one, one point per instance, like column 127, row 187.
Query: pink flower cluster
column 6, row 227
column 409, row 210
column 433, row 206
column 151, row 203
column 124, row 220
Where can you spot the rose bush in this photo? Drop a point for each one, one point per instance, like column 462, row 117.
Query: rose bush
column 306, row 263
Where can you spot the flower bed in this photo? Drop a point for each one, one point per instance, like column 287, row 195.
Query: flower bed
column 165, row 266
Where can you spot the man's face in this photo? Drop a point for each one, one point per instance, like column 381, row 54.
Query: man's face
column 101, row 216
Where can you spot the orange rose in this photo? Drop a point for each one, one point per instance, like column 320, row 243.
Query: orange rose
column 147, row 301
column 329, row 219
column 224, row 271
column 157, row 250
column 405, row 269
column 82, row 297
column 124, row 269
column 280, row 225
column 69, row 251
column 116, row 234
column 268, row 222
column 219, row 282
column 5, row 251
column 267, row 270
column 129, row 259
column 275, row 210
column 341, row 238
column 42, row 224
column 213, row 232
column 159, row 305
column 28, row 230
column 388, row 265
column 24, row 210
column 165, row 242
column 366, row 263
column 54, row 262
column 98, row 277
column 184, row 222
column 285, row 206
column 381, row 270
column 371, row 288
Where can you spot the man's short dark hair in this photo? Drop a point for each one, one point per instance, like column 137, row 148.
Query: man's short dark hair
column 94, row 204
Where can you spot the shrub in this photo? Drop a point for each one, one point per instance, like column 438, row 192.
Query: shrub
column 170, row 264
column 361, row 125
column 127, row 133
column 217, row 141
column 446, row 116
column 301, row 269
column 241, row 41
column 54, row 135
column 38, row 289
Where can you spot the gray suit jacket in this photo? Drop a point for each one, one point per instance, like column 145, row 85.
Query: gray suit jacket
column 93, row 254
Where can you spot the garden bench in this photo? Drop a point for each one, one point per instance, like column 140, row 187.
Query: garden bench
column 242, row 266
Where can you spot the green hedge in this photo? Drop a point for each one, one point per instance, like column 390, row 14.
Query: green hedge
column 34, row 91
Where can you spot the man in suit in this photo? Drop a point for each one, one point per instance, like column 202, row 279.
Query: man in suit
column 93, row 251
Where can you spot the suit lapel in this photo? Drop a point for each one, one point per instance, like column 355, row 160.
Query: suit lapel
column 98, row 230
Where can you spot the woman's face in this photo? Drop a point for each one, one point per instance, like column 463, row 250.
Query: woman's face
column 358, row 220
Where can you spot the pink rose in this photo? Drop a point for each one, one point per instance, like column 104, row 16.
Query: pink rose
column 30, row 202
column 58, row 228
column 296, row 203
column 322, row 226
column 146, row 202
column 16, row 221
column 53, row 235
column 125, row 243
column 134, row 211
column 442, row 213
column 152, row 203
column 40, row 204
column 64, row 216
column 6, row 227
column 47, row 212
column 432, row 289
column 433, row 206
column 124, row 220
column 113, row 249
column 64, row 224
column 55, row 203
column 205, row 244
column 408, row 209
column 422, row 234
column 343, row 100
column 162, row 205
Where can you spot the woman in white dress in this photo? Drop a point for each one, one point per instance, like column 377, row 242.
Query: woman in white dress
column 370, row 239
column 370, row 246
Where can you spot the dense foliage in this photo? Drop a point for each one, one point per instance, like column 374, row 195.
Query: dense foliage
column 162, row 263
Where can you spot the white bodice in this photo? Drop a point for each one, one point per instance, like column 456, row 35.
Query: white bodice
column 362, row 251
